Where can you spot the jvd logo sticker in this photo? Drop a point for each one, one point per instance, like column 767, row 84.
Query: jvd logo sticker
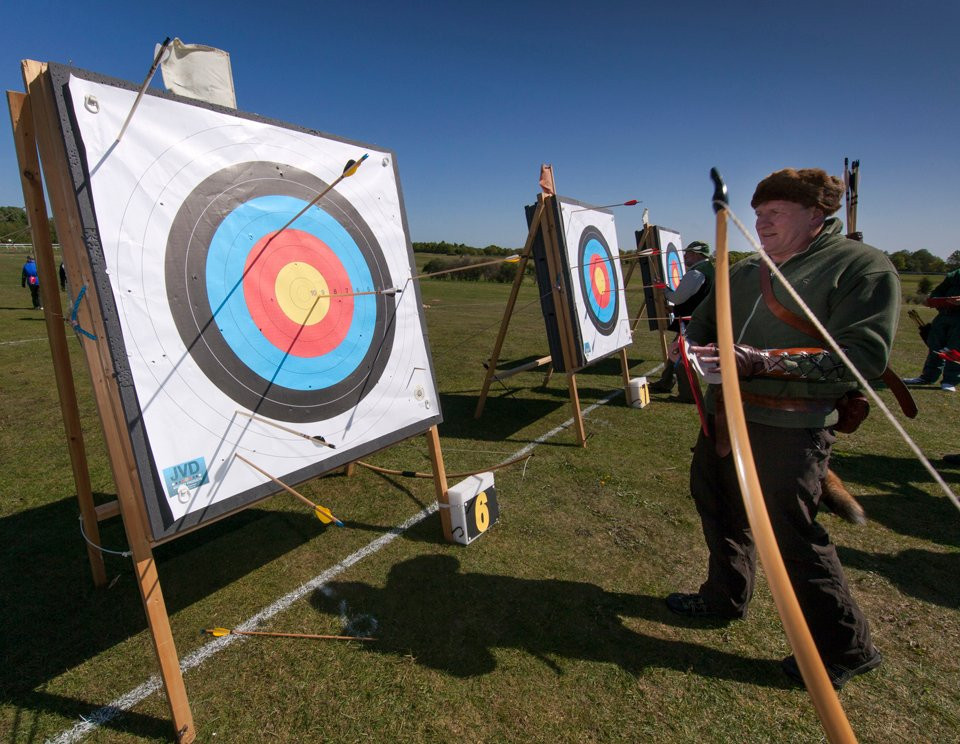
column 183, row 478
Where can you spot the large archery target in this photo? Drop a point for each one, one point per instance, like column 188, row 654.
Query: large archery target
column 229, row 335
column 275, row 320
column 596, row 281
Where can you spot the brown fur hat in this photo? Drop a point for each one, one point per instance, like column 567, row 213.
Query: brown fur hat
column 811, row 187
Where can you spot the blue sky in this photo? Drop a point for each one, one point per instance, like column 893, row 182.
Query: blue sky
column 625, row 99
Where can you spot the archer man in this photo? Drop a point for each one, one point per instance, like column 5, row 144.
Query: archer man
column 791, row 388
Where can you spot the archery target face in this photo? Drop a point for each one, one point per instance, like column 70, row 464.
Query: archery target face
column 242, row 337
column 590, row 244
column 671, row 257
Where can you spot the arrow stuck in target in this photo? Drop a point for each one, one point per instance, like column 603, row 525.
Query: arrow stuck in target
column 631, row 203
column 320, row 512
column 316, row 438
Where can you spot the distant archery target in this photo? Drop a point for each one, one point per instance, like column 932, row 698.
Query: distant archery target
column 598, row 280
column 673, row 266
column 277, row 320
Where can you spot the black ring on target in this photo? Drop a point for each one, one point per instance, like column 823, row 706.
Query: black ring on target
column 598, row 280
column 202, row 327
column 672, row 266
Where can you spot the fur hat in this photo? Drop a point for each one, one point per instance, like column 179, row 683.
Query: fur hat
column 811, row 187
column 698, row 246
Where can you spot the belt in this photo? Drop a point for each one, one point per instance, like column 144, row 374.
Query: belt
column 795, row 405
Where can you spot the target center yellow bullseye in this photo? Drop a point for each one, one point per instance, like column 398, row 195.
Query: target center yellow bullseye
column 601, row 281
column 302, row 293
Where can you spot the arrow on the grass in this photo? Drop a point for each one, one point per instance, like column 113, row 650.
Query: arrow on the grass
column 220, row 632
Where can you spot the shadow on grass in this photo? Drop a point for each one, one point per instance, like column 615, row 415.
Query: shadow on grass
column 54, row 619
column 503, row 416
column 908, row 507
column 451, row 621
column 924, row 574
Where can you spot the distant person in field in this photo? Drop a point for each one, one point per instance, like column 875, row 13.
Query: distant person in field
column 790, row 388
column 63, row 277
column 29, row 278
column 943, row 333
column 693, row 288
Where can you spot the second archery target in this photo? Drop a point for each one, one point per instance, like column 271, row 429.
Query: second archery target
column 589, row 253
column 299, row 348
column 662, row 269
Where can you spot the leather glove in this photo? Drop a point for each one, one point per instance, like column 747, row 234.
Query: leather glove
column 749, row 360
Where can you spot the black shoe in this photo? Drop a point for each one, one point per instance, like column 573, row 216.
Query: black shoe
column 690, row 605
column 661, row 386
column 839, row 675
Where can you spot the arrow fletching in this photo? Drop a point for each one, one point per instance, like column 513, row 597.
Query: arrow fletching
column 351, row 167
column 326, row 516
column 217, row 632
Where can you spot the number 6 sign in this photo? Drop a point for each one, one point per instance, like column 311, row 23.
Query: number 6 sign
column 473, row 507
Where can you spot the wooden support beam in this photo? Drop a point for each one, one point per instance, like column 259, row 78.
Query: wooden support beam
column 506, row 374
column 21, row 119
column 508, row 310
column 440, row 481
column 56, row 170
column 108, row 511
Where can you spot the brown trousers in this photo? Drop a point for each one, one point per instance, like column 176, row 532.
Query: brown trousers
column 790, row 464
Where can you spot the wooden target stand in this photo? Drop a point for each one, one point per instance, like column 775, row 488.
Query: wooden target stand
column 544, row 225
column 647, row 251
column 36, row 129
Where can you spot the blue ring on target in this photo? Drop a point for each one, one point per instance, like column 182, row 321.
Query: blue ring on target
column 226, row 258
column 593, row 248
column 592, row 243
column 672, row 261
column 217, row 225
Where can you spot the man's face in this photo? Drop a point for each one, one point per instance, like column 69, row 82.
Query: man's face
column 787, row 228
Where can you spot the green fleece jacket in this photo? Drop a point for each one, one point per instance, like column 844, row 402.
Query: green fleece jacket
column 853, row 290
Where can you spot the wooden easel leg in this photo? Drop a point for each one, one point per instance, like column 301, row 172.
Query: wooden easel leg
column 440, row 481
column 119, row 448
column 577, row 413
column 508, row 310
column 625, row 371
column 149, row 583
column 21, row 119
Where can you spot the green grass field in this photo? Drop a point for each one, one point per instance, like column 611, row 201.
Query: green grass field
column 549, row 628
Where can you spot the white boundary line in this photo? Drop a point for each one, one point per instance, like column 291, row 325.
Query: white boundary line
column 103, row 715
column 23, row 341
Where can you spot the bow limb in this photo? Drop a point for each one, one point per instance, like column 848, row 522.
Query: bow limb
column 825, row 701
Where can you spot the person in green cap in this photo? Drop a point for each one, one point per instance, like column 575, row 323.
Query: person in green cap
column 693, row 288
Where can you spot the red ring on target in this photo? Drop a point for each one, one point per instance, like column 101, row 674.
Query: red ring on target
column 599, row 272
column 264, row 264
